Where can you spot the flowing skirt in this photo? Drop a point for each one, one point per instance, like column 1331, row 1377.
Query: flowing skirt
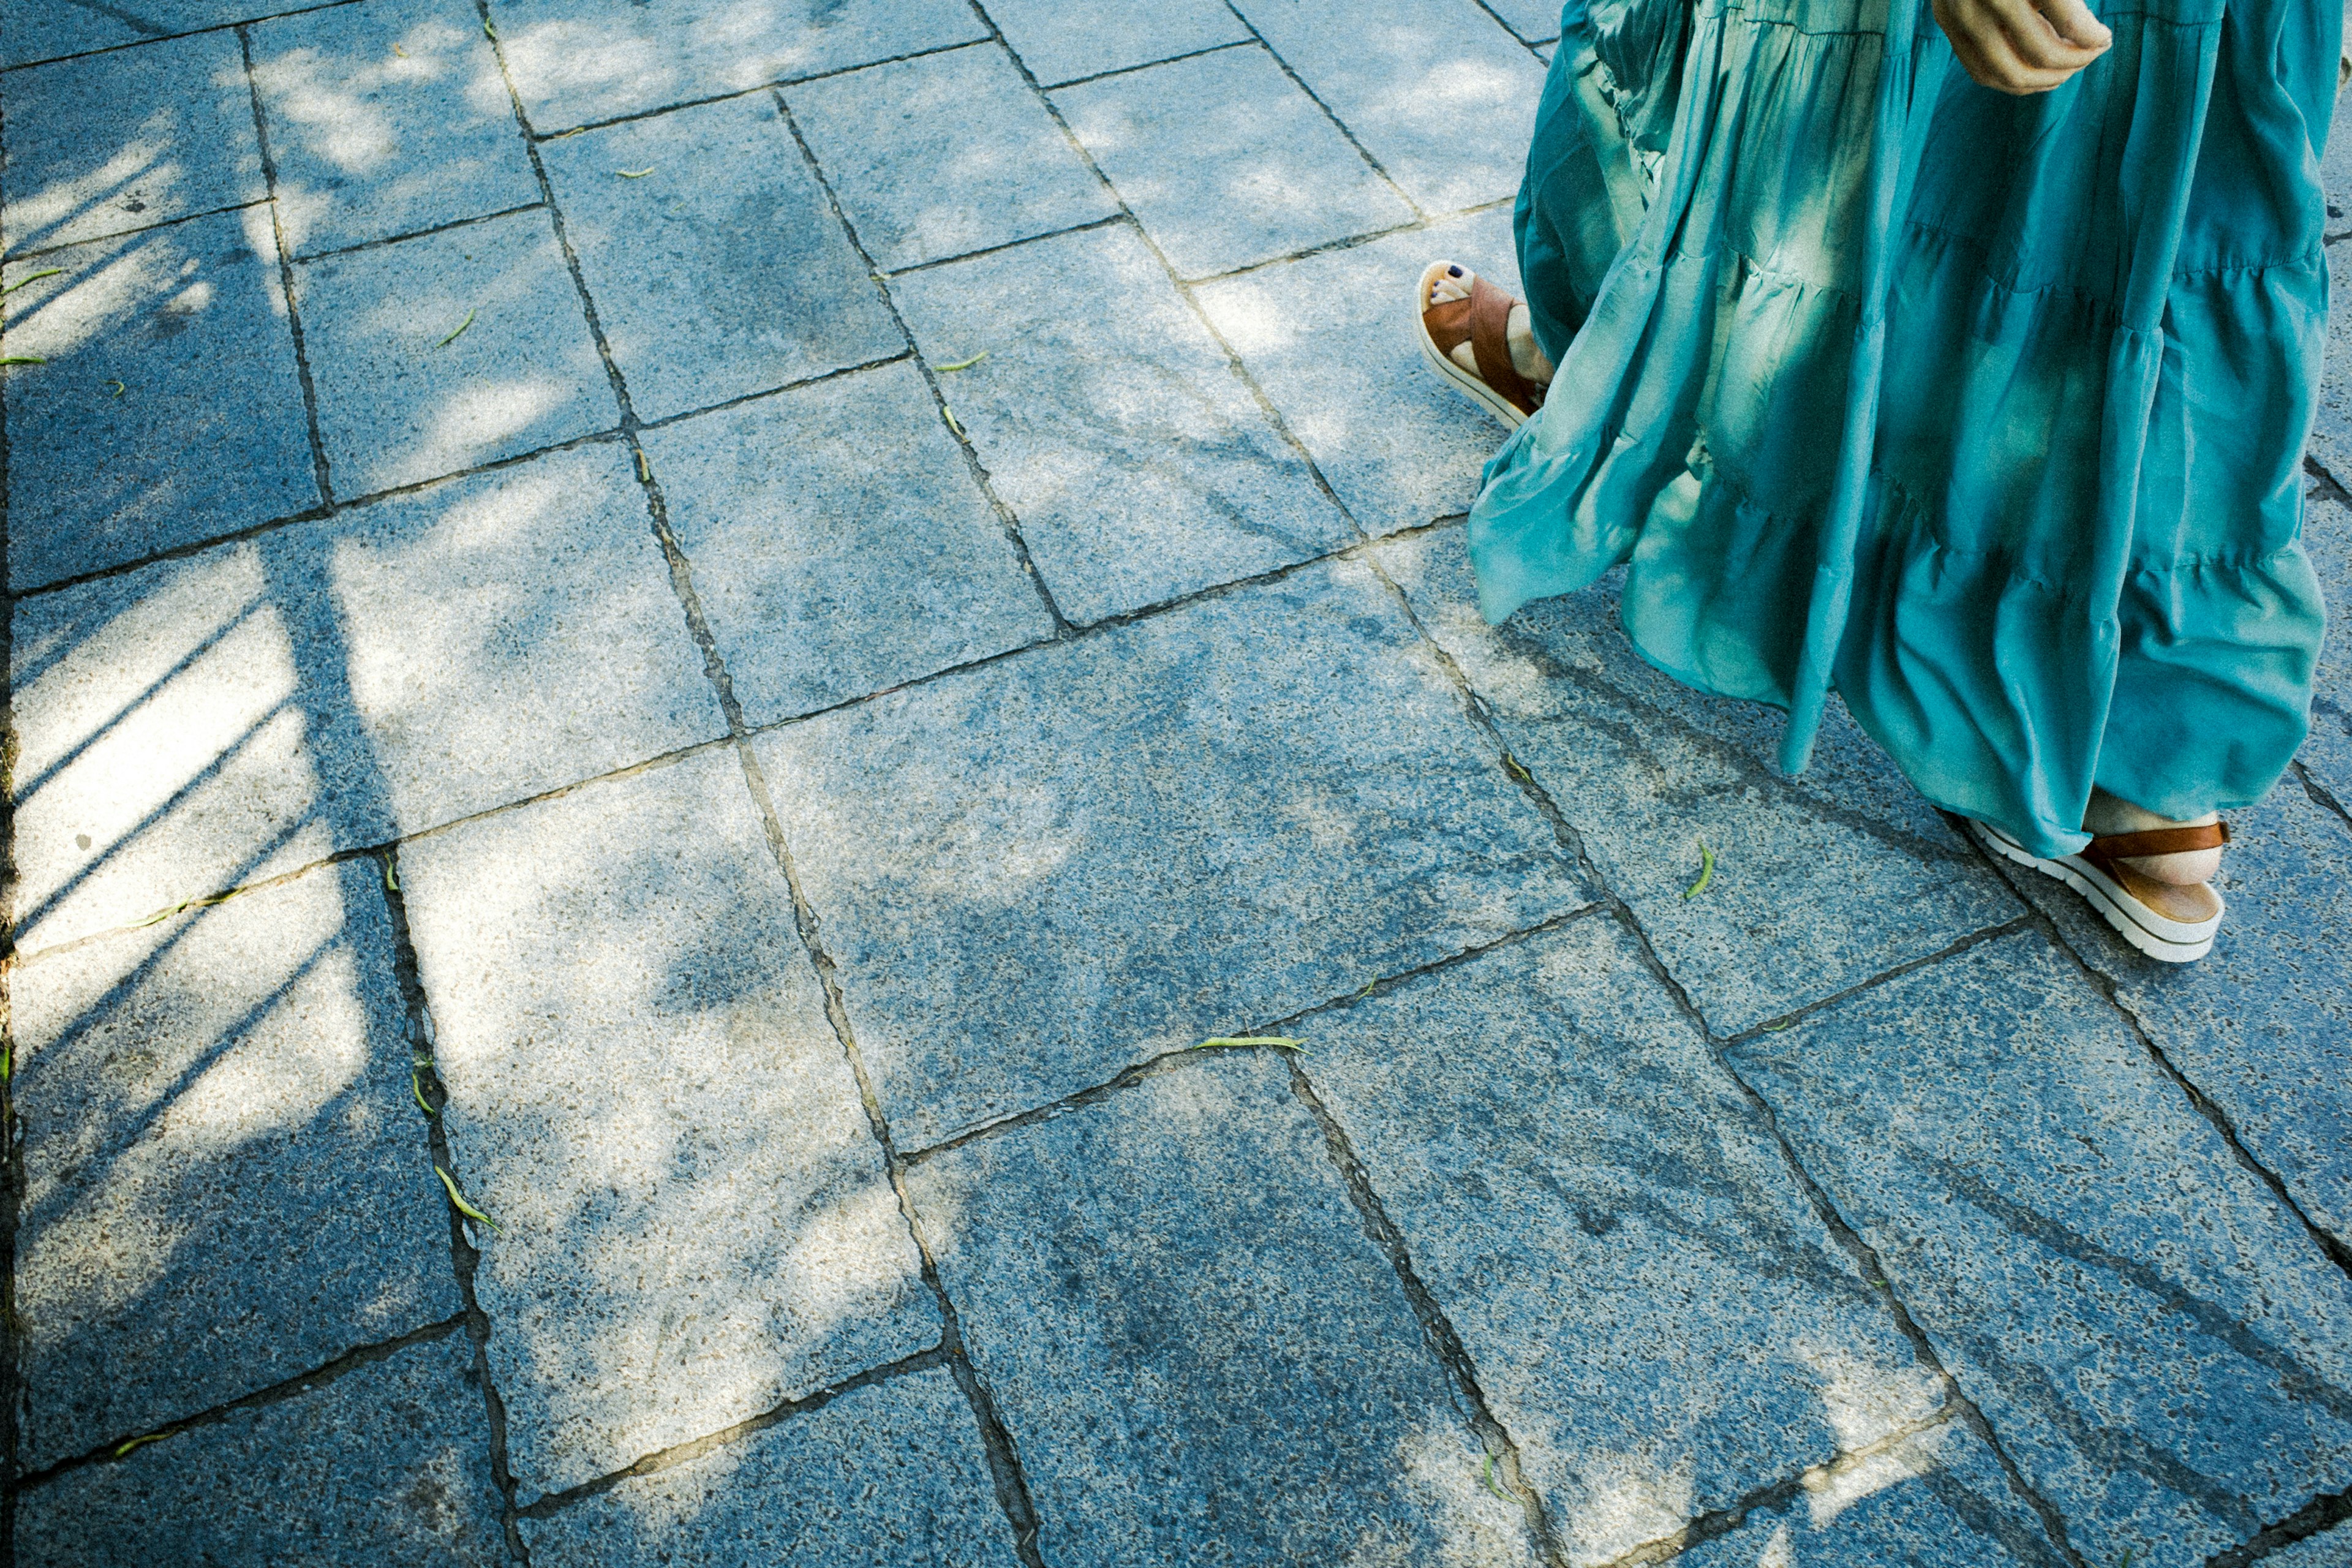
column 1988, row 412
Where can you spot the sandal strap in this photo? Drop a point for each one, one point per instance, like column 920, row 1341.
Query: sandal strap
column 1490, row 320
column 2157, row 841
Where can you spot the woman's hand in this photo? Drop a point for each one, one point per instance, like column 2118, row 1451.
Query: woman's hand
column 2019, row 47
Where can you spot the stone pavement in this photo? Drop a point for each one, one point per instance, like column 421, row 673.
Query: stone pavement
column 733, row 621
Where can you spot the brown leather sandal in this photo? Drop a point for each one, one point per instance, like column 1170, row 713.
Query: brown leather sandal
column 1481, row 321
column 2170, row 923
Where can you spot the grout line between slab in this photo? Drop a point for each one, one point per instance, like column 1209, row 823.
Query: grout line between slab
column 1141, row 65
column 278, row 1392
column 320, row 473
column 773, row 84
column 464, row 1258
column 12, row 1143
column 1438, row 1333
column 1315, row 99
column 1844, row 1234
column 167, row 37
column 382, row 241
column 1005, row 519
column 2316, row 1516
column 40, row 252
column 726, row 1436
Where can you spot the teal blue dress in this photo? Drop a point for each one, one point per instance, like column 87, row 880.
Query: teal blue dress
column 1988, row 412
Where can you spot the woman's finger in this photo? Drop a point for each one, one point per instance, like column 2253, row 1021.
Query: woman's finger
column 1986, row 52
column 2035, row 41
column 2075, row 22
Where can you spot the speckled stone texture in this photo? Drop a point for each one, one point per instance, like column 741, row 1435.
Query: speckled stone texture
column 1225, row 162
column 1139, row 466
column 165, row 749
column 1060, row 43
column 385, row 119
column 943, row 155
column 227, row 1182
column 887, row 1474
column 2327, row 537
column 1325, row 337
column 1035, row 874
column 2330, row 1549
column 437, row 354
column 169, row 410
column 2331, row 434
column 1819, row 882
column 499, row 635
column 1652, row 1304
column 2263, row 1025
column 1194, row 1346
column 387, row 1464
column 580, row 62
column 2163, row 1350
column 717, row 271
column 1937, row 1498
column 646, row 1095
column 840, row 543
column 1402, row 81
column 128, row 140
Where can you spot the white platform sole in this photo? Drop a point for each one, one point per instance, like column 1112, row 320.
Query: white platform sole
column 2165, row 940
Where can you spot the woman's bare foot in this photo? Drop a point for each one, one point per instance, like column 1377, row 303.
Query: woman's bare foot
column 2174, row 885
column 1526, row 357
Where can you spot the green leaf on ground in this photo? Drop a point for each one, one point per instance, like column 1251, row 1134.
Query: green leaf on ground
column 950, row 413
column 7, row 1062
column 962, row 364
column 1239, row 1042
column 634, row 173
column 417, row 1087
column 486, row 30
column 645, row 470
column 185, row 905
column 1517, row 770
column 1783, row 1026
column 1491, row 1487
column 1706, row 872
column 461, row 326
column 33, row 278
column 119, row 389
column 459, row 1198
column 391, row 874
column 401, row 52
column 151, row 1437
column 24, row 359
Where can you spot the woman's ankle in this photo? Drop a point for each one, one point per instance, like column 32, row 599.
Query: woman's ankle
column 2110, row 813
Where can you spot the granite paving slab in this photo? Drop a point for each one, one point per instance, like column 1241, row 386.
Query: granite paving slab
column 385, row 119
column 167, row 745
column 1935, row 1499
column 2328, row 753
column 127, row 140
column 646, row 1095
column 438, row 353
column 1818, row 882
column 1654, row 1311
column 1442, row 96
column 1034, row 874
column 945, row 154
column 2331, row 431
column 499, row 635
column 1060, row 43
column 168, row 410
column 1196, row 1349
column 227, row 1182
column 578, row 62
column 2263, row 1025
column 839, row 542
column 1326, row 338
column 387, row 1464
column 719, row 270
column 888, row 1475
column 2164, row 1351
column 1140, row 468
column 1225, row 162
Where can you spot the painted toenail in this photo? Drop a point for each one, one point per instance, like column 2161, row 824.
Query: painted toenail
column 1453, row 272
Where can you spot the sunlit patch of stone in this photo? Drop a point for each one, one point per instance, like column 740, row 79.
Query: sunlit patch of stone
column 1831, row 1490
column 145, row 155
column 1628, row 1498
